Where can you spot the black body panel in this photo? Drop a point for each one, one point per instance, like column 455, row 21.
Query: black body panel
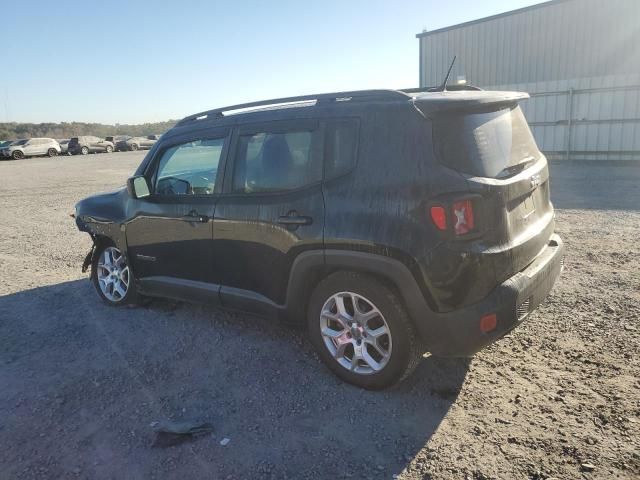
column 253, row 247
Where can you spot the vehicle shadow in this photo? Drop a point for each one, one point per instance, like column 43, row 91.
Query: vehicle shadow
column 96, row 376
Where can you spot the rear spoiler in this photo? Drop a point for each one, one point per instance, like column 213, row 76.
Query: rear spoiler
column 436, row 102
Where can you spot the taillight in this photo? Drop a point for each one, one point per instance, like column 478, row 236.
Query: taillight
column 457, row 216
column 463, row 221
column 439, row 217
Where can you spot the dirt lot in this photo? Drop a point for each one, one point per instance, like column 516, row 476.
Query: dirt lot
column 81, row 382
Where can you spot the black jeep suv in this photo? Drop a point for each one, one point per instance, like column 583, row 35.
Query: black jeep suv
column 391, row 223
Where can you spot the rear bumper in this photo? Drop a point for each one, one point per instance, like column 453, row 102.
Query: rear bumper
column 458, row 333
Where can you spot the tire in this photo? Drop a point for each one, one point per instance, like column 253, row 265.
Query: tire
column 112, row 279
column 52, row 152
column 17, row 155
column 84, row 150
column 385, row 359
column 109, row 149
column 134, row 147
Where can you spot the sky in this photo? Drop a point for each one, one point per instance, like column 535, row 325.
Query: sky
column 135, row 62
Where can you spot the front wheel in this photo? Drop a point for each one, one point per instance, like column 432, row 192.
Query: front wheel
column 112, row 276
column 52, row 152
column 84, row 150
column 134, row 147
column 109, row 149
column 17, row 155
column 362, row 332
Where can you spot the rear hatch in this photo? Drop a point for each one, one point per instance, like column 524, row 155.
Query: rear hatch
column 485, row 137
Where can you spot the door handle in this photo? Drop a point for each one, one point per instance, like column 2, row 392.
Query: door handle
column 194, row 216
column 294, row 220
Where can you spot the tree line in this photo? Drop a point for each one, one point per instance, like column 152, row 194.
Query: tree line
column 14, row 131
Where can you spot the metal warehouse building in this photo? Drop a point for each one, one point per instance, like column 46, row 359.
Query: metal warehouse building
column 579, row 60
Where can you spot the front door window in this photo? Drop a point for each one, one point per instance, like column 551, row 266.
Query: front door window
column 189, row 168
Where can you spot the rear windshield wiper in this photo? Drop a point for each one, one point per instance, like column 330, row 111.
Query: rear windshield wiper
column 512, row 170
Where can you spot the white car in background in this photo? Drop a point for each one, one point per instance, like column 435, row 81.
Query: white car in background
column 31, row 147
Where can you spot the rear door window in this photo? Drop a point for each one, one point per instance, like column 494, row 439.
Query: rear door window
column 486, row 143
column 276, row 161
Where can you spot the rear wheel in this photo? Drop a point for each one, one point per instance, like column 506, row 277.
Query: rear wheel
column 109, row 149
column 111, row 276
column 134, row 146
column 52, row 152
column 361, row 331
column 84, row 150
column 17, row 155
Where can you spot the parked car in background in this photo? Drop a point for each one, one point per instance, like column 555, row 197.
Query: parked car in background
column 119, row 142
column 31, row 147
column 139, row 143
column 89, row 144
column 64, row 146
column 412, row 230
column 4, row 144
column 121, row 145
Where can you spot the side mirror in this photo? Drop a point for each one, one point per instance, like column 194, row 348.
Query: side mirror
column 138, row 187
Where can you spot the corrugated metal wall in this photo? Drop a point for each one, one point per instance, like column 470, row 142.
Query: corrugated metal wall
column 579, row 59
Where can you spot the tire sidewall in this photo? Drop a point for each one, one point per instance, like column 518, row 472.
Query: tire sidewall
column 130, row 297
column 388, row 303
column 84, row 150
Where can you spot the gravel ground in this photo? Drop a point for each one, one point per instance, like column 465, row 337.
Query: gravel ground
column 80, row 382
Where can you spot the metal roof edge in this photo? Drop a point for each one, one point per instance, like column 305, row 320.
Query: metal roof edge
column 492, row 17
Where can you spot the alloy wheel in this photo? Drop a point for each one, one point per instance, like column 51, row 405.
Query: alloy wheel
column 113, row 274
column 355, row 333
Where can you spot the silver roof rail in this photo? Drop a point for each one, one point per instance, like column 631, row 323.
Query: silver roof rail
column 450, row 88
column 323, row 98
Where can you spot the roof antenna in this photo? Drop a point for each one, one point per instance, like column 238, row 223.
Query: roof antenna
column 443, row 87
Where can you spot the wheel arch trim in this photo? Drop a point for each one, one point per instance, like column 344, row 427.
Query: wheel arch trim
column 311, row 266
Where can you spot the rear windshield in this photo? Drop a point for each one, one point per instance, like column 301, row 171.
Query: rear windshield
column 486, row 144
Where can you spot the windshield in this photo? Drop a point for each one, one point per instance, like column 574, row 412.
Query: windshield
column 486, row 144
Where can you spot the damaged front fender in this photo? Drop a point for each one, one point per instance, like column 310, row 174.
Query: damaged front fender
column 103, row 218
